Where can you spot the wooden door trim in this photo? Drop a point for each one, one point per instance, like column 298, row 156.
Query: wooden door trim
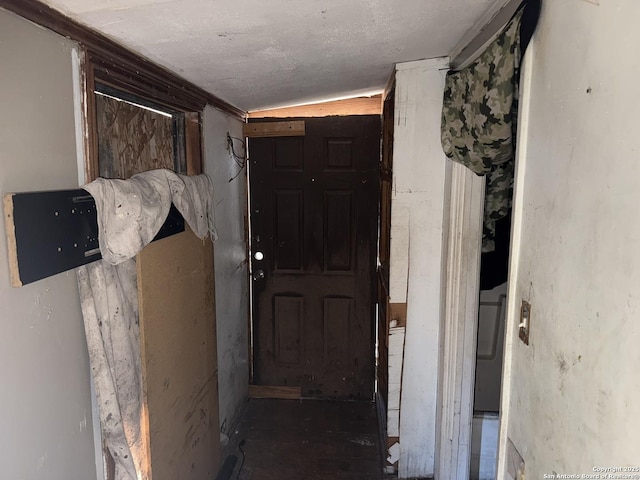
column 454, row 410
column 268, row 123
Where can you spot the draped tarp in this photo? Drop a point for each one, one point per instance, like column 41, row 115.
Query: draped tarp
column 130, row 213
column 478, row 121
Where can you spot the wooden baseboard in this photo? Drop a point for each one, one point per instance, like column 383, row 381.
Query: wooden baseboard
column 268, row 391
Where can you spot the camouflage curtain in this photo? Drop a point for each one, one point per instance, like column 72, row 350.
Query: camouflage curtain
column 478, row 122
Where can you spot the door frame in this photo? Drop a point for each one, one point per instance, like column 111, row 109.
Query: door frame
column 456, row 376
column 459, row 323
column 364, row 105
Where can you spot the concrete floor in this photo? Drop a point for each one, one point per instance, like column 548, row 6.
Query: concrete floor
column 307, row 439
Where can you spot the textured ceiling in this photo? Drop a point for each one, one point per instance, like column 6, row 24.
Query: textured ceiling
column 259, row 54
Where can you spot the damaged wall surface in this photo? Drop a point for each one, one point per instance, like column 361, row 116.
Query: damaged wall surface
column 230, row 261
column 45, row 406
column 570, row 397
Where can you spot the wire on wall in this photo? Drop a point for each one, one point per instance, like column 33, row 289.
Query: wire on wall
column 240, row 159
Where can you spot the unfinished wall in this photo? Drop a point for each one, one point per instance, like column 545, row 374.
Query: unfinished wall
column 230, row 260
column 45, row 405
column 418, row 204
column 570, row 399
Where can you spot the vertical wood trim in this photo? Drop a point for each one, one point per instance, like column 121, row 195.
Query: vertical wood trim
column 193, row 140
column 458, row 349
column 92, row 167
column 384, row 243
column 10, row 229
column 513, row 299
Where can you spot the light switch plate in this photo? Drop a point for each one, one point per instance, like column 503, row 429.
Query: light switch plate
column 525, row 322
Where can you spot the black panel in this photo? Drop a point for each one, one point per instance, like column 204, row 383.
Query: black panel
column 58, row 230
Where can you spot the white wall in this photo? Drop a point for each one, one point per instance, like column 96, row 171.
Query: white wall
column 232, row 295
column 45, row 405
column 570, row 398
column 420, row 176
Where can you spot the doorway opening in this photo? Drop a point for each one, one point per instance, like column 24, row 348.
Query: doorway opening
column 313, row 219
column 492, row 306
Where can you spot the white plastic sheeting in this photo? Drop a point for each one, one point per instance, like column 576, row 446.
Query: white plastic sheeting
column 130, row 214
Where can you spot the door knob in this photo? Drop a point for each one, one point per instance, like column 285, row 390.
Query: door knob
column 258, row 275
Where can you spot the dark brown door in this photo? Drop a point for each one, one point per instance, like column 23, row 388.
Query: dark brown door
column 314, row 209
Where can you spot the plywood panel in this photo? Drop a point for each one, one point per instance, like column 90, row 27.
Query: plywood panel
column 339, row 241
column 132, row 139
column 178, row 337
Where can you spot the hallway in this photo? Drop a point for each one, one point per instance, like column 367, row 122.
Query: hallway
column 307, row 439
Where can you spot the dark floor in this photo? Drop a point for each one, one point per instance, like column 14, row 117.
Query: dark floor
column 307, row 439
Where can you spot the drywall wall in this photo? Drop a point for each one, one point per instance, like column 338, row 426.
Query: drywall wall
column 45, row 405
column 570, row 401
column 230, row 260
column 418, row 201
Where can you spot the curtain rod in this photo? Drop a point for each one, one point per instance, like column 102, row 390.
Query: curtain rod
column 483, row 33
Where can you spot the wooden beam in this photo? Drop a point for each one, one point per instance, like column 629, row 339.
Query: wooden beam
column 264, row 391
column 398, row 313
column 274, row 129
column 121, row 65
column 351, row 106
